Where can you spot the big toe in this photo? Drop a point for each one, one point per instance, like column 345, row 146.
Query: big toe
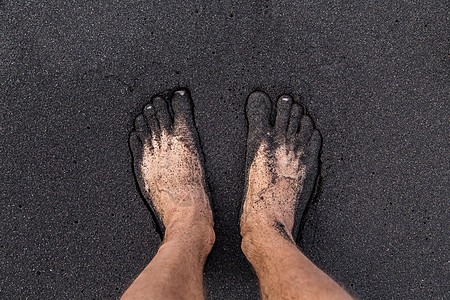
column 150, row 116
column 258, row 112
column 182, row 107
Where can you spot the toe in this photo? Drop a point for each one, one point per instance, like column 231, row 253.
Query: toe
column 162, row 113
column 258, row 112
column 311, row 160
column 140, row 124
column 284, row 104
column 152, row 120
column 306, row 129
column 294, row 120
column 313, row 148
column 182, row 109
column 135, row 145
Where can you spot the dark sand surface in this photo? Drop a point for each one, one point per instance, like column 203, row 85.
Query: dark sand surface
column 74, row 75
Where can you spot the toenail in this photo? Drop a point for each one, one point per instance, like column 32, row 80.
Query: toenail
column 148, row 107
column 285, row 98
column 180, row 92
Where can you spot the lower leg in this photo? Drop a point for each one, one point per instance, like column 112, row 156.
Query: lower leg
column 176, row 272
column 283, row 271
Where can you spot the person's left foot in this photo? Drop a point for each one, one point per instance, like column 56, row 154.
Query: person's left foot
column 168, row 163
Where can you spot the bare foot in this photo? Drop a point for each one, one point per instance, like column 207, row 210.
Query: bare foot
column 282, row 165
column 168, row 162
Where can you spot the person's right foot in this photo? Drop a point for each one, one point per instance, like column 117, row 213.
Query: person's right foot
column 282, row 164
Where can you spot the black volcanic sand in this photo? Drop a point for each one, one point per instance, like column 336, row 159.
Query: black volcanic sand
column 73, row 76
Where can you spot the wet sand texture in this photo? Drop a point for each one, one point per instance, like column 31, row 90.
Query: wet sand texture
column 74, row 75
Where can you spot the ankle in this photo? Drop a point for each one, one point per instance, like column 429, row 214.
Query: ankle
column 261, row 225
column 256, row 238
column 196, row 236
column 187, row 217
column 263, row 238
